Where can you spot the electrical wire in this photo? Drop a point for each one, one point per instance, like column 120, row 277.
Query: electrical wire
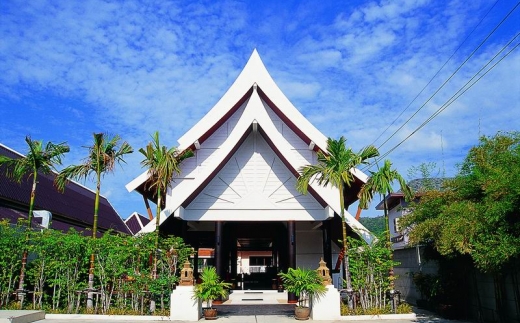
column 453, row 74
column 437, row 73
column 454, row 97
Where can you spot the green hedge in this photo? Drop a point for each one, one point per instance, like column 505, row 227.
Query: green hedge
column 57, row 271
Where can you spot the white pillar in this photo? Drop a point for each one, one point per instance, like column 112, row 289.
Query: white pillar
column 183, row 307
column 328, row 306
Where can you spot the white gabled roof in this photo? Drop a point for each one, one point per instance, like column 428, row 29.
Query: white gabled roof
column 253, row 73
column 254, row 76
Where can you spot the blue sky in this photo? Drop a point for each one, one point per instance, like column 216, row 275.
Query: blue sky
column 71, row 68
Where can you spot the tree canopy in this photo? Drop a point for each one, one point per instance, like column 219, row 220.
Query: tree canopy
column 477, row 212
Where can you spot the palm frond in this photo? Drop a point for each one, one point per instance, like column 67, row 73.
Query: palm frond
column 381, row 182
column 73, row 172
column 102, row 157
column 162, row 163
column 38, row 159
column 334, row 167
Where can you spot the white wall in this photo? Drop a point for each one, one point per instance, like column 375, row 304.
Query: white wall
column 309, row 245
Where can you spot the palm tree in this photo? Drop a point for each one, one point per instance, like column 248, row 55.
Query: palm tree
column 381, row 182
column 162, row 163
column 42, row 159
column 103, row 156
column 335, row 167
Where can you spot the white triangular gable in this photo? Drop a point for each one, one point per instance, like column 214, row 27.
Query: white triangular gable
column 254, row 185
column 195, row 196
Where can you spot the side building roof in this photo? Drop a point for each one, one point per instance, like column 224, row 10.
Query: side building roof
column 418, row 186
column 136, row 222
column 72, row 208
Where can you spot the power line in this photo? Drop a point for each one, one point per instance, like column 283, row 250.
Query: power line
column 453, row 74
column 454, row 97
column 437, row 73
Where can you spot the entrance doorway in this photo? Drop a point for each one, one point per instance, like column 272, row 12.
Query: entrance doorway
column 256, row 252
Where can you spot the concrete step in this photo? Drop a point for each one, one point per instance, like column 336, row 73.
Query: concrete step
column 21, row 316
column 258, row 297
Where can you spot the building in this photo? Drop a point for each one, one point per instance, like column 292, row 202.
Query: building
column 480, row 289
column 237, row 194
column 410, row 257
column 136, row 222
column 71, row 209
column 398, row 207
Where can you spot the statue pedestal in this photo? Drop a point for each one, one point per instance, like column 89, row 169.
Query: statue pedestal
column 183, row 306
column 328, row 306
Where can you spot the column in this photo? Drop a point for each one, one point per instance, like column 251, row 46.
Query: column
column 327, row 247
column 196, row 262
column 291, row 234
column 219, row 249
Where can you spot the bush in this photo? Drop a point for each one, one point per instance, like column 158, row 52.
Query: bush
column 369, row 267
column 58, row 270
column 403, row 308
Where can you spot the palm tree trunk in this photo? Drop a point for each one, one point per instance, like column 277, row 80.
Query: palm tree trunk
column 33, row 195
column 90, row 289
column 157, row 224
column 156, row 246
column 346, row 270
column 21, row 284
column 391, row 256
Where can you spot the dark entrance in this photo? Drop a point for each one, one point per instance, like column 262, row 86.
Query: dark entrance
column 254, row 253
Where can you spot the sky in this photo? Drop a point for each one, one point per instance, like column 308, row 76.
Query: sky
column 372, row 71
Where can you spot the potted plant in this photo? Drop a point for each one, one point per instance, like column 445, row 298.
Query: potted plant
column 307, row 285
column 210, row 288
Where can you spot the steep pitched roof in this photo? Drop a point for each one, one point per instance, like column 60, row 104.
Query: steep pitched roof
column 256, row 98
column 72, row 208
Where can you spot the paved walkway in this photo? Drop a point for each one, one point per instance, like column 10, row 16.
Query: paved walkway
column 247, row 314
column 273, row 319
column 262, row 318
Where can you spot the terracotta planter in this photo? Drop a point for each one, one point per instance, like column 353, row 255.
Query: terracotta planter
column 210, row 313
column 302, row 313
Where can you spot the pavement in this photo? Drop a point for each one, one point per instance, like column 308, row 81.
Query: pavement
column 271, row 319
column 229, row 314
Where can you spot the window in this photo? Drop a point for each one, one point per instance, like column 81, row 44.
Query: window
column 396, row 225
column 259, row 261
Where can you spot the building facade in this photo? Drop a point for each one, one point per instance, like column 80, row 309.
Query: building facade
column 238, row 195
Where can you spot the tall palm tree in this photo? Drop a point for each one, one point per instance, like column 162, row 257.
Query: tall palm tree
column 381, row 182
column 335, row 168
column 40, row 158
column 102, row 158
column 162, row 163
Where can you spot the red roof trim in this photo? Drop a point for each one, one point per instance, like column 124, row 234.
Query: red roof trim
column 224, row 118
column 286, row 120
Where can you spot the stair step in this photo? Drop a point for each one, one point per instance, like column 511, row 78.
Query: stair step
column 256, row 297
